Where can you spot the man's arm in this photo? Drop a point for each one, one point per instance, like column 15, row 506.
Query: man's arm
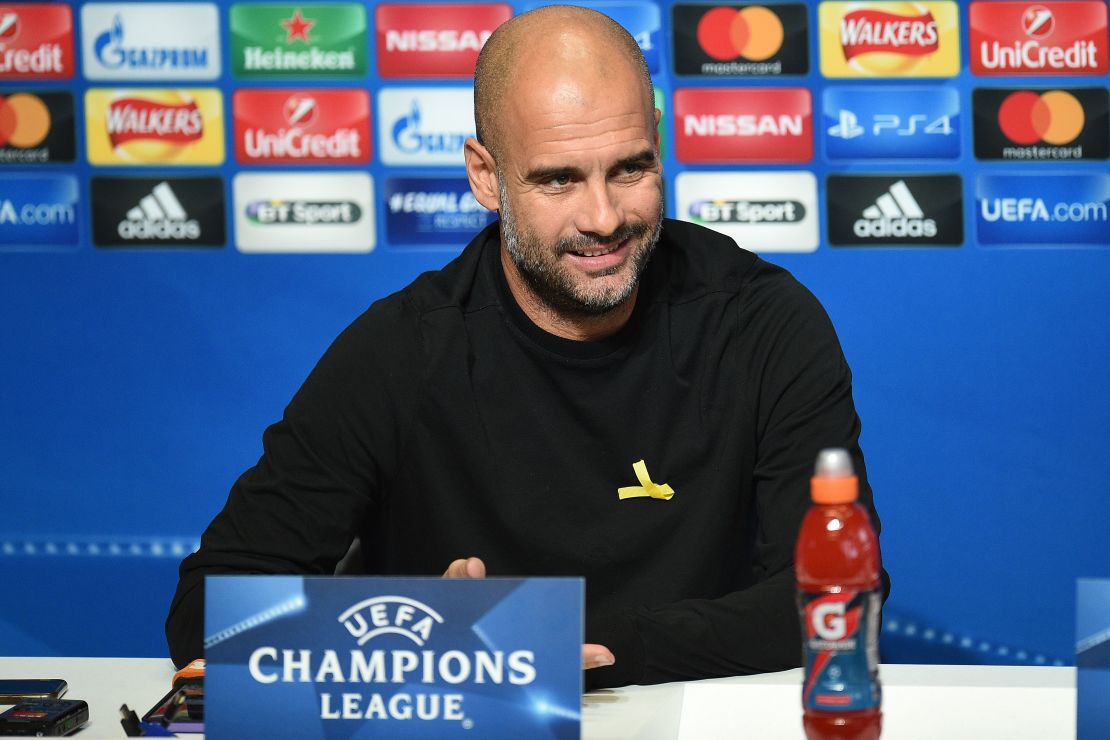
column 298, row 509
column 803, row 404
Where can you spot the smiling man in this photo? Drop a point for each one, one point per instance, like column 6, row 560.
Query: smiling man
column 588, row 389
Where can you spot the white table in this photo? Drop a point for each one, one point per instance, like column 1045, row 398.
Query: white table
column 919, row 701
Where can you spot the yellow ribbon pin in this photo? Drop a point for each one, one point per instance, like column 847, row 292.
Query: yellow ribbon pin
column 646, row 488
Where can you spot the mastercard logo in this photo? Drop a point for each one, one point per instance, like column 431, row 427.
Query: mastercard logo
column 24, row 121
column 753, row 33
column 1054, row 117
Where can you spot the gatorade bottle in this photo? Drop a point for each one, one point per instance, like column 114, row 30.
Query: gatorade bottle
column 839, row 596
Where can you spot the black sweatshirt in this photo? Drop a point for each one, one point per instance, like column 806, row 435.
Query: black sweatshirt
column 443, row 424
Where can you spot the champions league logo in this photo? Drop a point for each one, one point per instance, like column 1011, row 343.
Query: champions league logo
column 383, row 665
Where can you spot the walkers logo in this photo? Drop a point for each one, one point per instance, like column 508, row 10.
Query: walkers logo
column 891, row 122
column 38, row 212
column 889, row 39
column 762, row 211
column 36, row 127
column 1023, row 124
column 150, row 41
column 298, row 40
column 424, row 126
column 1051, row 38
column 434, row 40
column 302, row 126
column 158, row 212
column 741, row 40
column 438, row 211
column 1043, row 209
column 36, row 41
column 304, row 212
column 154, row 126
column 743, row 125
column 908, row 210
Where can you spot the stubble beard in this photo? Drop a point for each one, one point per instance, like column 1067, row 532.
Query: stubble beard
column 553, row 283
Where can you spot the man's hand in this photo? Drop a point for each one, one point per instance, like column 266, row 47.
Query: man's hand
column 593, row 656
column 466, row 568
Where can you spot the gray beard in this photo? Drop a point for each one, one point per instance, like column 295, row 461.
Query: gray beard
column 552, row 283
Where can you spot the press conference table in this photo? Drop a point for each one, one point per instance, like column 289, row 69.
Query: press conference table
column 919, row 701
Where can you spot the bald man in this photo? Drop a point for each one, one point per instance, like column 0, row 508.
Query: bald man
column 589, row 389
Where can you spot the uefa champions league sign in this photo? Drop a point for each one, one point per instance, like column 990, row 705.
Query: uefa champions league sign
column 333, row 657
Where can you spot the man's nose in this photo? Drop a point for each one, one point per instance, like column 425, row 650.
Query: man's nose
column 601, row 214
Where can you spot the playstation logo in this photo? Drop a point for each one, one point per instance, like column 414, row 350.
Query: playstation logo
column 848, row 126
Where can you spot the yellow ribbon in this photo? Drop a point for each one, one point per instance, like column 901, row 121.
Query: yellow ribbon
column 646, row 488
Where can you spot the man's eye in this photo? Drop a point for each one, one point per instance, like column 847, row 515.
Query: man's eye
column 560, row 180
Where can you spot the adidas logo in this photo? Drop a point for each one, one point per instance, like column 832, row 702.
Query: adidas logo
column 159, row 215
column 895, row 213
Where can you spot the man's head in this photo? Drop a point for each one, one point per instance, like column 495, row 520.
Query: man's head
column 568, row 154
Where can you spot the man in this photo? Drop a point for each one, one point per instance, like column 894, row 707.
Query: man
column 486, row 416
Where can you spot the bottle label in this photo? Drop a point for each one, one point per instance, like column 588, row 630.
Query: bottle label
column 841, row 646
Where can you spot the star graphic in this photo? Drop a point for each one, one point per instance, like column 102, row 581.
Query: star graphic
column 297, row 27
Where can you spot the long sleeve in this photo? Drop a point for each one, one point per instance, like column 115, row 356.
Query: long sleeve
column 298, row 510
column 803, row 403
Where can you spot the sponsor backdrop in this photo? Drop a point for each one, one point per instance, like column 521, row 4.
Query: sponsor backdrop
column 196, row 197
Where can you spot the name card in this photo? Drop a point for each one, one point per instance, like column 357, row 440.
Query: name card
column 1092, row 658
column 338, row 657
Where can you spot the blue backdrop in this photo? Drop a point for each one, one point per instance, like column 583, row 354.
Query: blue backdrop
column 134, row 386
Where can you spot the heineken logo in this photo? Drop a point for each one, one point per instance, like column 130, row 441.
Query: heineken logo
column 298, row 40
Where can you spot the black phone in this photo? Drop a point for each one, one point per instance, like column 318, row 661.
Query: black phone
column 44, row 717
column 13, row 690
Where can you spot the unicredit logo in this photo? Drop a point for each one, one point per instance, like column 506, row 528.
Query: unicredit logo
column 9, row 27
column 36, row 41
column 754, row 33
column 866, row 31
column 1058, row 38
column 302, row 126
column 721, row 125
column 434, row 40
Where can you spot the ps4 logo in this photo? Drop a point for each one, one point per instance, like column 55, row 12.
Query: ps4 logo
column 848, row 126
column 861, row 123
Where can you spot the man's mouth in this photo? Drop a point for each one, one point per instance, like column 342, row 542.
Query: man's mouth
column 598, row 251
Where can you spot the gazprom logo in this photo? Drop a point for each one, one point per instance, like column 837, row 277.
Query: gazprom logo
column 411, row 138
column 113, row 53
column 424, row 126
column 396, row 615
column 151, row 41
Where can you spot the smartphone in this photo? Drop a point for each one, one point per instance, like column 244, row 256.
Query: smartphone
column 44, row 717
column 13, row 690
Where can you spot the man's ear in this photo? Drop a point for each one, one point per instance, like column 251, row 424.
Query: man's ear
column 481, row 170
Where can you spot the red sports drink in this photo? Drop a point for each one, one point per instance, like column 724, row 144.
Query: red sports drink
column 839, row 596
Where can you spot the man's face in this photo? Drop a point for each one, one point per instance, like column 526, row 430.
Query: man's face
column 581, row 199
